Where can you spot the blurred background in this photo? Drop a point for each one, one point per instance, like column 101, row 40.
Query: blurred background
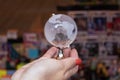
column 98, row 41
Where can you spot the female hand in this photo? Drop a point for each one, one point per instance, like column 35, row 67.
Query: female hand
column 49, row 68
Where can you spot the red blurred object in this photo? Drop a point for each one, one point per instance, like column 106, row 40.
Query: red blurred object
column 116, row 25
column 109, row 25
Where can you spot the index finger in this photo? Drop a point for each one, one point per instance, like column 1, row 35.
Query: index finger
column 51, row 52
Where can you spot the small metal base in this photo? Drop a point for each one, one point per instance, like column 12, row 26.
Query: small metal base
column 60, row 54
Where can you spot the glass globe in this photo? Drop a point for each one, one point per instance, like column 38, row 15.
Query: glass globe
column 60, row 30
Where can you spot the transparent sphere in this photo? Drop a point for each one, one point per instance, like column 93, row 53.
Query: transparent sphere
column 60, row 30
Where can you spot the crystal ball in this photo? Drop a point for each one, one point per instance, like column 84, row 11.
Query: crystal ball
column 60, row 30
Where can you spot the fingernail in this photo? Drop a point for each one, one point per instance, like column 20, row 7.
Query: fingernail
column 78, row 61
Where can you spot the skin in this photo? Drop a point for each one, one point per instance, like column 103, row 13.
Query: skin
column 48, row 67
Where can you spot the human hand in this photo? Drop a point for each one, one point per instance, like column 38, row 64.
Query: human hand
column 49, row 68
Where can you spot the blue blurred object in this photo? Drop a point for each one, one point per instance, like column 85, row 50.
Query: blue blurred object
column 33, row 53
column 10, row 72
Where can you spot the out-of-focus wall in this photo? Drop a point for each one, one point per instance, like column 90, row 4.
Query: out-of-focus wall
column 27, row 15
